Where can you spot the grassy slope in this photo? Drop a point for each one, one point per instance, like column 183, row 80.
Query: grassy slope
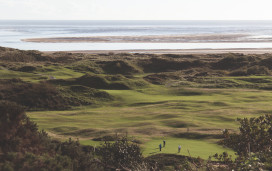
column 57, row 72
column 154, row 114
column 205, row 106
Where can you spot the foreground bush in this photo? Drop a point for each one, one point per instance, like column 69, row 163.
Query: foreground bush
column 23, row 147
column 121, row 154
column 252, row 144
column 255, row 136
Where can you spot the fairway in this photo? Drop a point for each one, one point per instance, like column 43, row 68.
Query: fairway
column 150, row 116
column 188, row 147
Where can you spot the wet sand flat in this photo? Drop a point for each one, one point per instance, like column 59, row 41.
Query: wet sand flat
column 179, row 51
column 199, row 38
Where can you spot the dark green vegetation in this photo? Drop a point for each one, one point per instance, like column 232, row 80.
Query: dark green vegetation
column 252, row 144
column 184, row 99
column 23, row 147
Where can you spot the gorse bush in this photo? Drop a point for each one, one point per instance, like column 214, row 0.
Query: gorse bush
column 255, row 135
column 252, row 144
column 122, row 154
column 23, row 147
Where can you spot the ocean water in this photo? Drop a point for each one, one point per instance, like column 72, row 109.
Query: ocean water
column 11, row 33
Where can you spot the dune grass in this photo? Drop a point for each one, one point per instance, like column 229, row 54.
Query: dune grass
column 60, row 72
column 7, row 74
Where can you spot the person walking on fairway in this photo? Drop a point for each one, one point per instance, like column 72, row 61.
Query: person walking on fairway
column 164, row 143
column 160, row 147
column 179, row 147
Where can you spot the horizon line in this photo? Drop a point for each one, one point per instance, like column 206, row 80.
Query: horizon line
column 130, row 20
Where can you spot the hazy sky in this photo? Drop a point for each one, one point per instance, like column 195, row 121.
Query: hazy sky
column 136, row 9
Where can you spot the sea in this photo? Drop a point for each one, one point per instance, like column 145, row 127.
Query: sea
column 13, row 31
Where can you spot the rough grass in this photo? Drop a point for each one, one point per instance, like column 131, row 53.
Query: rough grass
column 41, row 74
column 32, row 96
column 185, row 99
column 195, row 112
column 160, row 115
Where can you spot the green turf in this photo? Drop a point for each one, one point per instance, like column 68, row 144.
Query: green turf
column 59, row 72
column 151, row 114
column 40, row 75
column 195, row 148
column 189, row 147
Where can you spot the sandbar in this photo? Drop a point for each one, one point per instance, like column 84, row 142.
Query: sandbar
column 178, row 51
column 198, row 38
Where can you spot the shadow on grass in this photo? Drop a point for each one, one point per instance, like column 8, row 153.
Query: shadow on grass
column 148, row 103
column 198, row 136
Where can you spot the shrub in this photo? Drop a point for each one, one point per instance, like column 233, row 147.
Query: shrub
column 252, row 144
column 255, row 135
column 122, row 154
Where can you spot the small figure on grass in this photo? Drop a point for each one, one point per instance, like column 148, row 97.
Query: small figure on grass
column 179, row 148
column 160, row 146
column 164, row 143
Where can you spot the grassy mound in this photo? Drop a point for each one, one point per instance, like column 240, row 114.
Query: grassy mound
column 165, row 65
column 161, row 78
column 116, row 82
column 32, row 96
column 168, row 161
column 266, row 62
column 234, row 61
column 254, row 70
column 94, row 81
column 119, row 67
column 27, row 69
column 86, row 66
column 15, row 55
column 44, row 96
column 100, row 82
column 81, row 95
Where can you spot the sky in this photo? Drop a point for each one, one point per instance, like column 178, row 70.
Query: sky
column 136, row 9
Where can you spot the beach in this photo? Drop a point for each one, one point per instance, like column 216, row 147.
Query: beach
column 198, row 38
column 177, row 51
column 139, row 36
column 170, row 39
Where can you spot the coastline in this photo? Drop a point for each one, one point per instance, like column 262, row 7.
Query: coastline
column 153, row 39
column 198, row 38
column 176, row 51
